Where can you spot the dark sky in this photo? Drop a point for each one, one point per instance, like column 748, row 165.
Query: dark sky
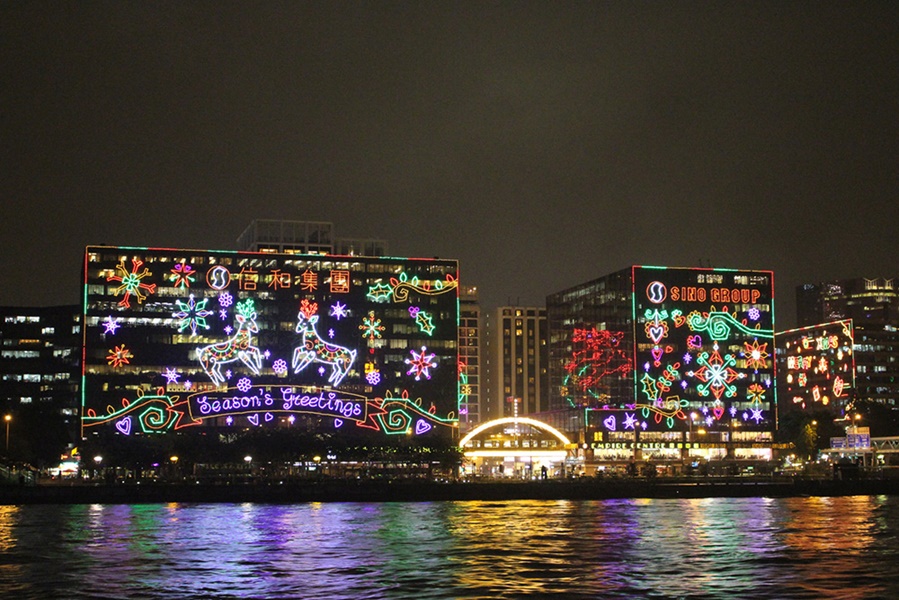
column 542, row 144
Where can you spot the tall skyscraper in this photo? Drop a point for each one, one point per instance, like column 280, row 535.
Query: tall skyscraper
column 471, row 367
column 517, row 342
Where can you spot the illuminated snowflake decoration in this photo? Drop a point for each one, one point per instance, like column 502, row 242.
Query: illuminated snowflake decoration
column 223, row 314
column 182, row 275
column 244, row 384
column 373, row 377
column 279, row 366
column 191, row 314
column 229, row 374
column 756, row 355
column 226, row 299
column 338, row 310
column 119, row 356
column 420, row 364
column 371, row 327
column 331, row 333
column 716, row 374
column 321, row 370
column 228, row 330
column 630, row 421
column 687, row 358
column 756, row 415
column 754, row 314
column 188, row 384
column 171, row 375
column 110, row 325
column 755, row 393
column 229, row 420
column 132, row 282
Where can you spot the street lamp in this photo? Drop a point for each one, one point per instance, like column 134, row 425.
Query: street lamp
column 7, row 418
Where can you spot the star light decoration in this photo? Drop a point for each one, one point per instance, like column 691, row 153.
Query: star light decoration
column 119, row 356
column 420, row 364
column 110, row 325
column 756, row 355
column 171, row 375
column 371, row 327
column 182, row 275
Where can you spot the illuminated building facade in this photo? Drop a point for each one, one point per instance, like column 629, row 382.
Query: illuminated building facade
column 517, row 342
column 305, row 237
column 187, row 340
column 668, row 362
column 470, row 361
column 40, row 354
column 873, row 307
column 816, row 367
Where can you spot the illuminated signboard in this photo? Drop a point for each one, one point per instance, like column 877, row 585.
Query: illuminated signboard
column 177, row 340
column 817, row 365
column 703, row 345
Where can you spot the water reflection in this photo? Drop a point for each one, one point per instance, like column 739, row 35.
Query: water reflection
column 706, row 548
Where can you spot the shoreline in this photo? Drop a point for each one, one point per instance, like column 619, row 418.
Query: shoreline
column 429, row 491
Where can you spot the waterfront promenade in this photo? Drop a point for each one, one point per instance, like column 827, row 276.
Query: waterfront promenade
column 338, row 490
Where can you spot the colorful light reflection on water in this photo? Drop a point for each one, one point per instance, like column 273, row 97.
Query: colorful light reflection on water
column 705, row 548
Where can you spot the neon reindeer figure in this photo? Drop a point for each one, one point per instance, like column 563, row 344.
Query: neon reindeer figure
column 315, row 349
column 237, row 347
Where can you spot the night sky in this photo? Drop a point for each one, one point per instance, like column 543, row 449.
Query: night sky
column 542, row 144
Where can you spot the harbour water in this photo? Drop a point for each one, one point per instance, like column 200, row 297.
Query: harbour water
column 809, row 547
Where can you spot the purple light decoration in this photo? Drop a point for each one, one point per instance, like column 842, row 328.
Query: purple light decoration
column 331, row 333
column 229, row 374
column 321, row 370
column 413, row 311
column 110, row 325
column 279, row 366
column 733, row 411
column 188, row 384
column 646, row 366
column 422, row 426
column 709, row 420
column 754, row 314
column 338, row 310
column 229, row 420
column 253, row 419
column 643, row 425
column 610, row 423
column 687, row 358
column 373, row 377
column 756, row 415
column 267, row 354
column 630, row 421
column 124, row 426
column 291, row 419
column 223, row 314
column 228, row 330
column 244, row 384
column 171, row 375
column 338, row 423
column 745, row 416
column 683, row 384
column 226, row 299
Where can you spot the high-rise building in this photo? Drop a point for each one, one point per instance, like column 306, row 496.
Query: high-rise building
column 667, row 361
column 471, row 368
column 40, row 367
column 518, row 375
column 304, row 237
column 873, row 307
